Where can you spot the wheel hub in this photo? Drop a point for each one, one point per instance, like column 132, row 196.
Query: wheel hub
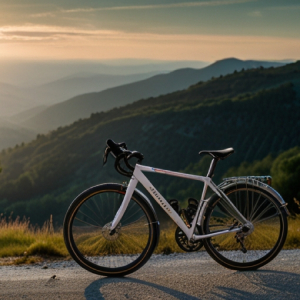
column 111, row 235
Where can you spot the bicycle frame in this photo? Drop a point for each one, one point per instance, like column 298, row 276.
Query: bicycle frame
column 138, row 176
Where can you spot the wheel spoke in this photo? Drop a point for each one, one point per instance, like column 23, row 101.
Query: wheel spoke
column 262, row 244
column 95, row 247
column 88, row 217
column 87, row 223
column 266, row 218
column 255, row 212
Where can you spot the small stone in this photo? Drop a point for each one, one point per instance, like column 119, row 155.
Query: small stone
column 45, row 267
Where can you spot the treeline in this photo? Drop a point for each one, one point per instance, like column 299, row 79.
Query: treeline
column 285, row 172
column 239, row 110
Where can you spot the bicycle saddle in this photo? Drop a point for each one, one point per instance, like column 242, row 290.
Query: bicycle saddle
column 218, row 154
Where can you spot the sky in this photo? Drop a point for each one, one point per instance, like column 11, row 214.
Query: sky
column 205, row 30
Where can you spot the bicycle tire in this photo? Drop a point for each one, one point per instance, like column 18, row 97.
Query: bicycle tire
column 87, row 237
column 262, row 245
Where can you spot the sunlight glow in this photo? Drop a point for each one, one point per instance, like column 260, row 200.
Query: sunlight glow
column 53, row 42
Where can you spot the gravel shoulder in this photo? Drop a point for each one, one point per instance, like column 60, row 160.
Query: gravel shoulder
column 175, row 276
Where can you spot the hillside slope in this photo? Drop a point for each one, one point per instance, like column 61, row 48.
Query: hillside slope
column 237, row 111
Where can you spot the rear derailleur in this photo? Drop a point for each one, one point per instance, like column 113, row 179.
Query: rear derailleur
column 240, row 237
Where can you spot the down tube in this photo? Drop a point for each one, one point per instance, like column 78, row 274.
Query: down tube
column 162, row 202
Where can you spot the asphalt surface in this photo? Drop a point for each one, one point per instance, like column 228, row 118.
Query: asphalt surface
column 177, row 276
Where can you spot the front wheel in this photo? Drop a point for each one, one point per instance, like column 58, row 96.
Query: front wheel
column 92, row 245
column 260, row 246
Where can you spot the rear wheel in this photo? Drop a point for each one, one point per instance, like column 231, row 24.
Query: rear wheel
column 90, row 242
column 262, row 245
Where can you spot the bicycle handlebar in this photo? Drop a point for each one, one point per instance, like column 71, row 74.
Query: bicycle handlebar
column 119, row 151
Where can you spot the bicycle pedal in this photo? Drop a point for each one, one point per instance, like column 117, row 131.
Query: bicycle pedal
column 175, row 204
column 193, row 203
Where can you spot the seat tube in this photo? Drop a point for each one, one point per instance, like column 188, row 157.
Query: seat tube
column 212, row 167
column 130, row 190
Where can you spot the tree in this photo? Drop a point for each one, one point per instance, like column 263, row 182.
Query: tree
column 286, row 176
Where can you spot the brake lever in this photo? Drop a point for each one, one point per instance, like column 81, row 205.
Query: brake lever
column 123, row 145
column 105, row 155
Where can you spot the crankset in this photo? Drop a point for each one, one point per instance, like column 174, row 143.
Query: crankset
column 184, row 243
column 187, row 216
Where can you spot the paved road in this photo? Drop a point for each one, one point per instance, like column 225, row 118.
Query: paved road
column 182, row 276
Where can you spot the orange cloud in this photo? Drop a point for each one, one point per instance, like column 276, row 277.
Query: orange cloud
column 49, row 42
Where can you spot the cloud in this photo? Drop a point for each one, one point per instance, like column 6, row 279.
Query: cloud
column 34, row 32
column 255, row 14
column 285, row 7
column 48, row 33
column 144, row 7
column 158, row 6
column 44, row 14
column 54, row 42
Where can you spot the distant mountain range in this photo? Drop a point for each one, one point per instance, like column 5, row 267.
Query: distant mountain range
column 26, row 84
column 14, row 99
column 12, row 134
column 35, row 73
column 256, row 112
column 81, row 83
column 83, row 106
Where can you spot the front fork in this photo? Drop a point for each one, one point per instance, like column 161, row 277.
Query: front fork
column 129, row 191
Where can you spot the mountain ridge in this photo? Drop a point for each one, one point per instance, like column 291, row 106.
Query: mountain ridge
column 83, row 105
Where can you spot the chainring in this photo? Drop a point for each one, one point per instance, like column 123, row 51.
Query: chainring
column 183, row 242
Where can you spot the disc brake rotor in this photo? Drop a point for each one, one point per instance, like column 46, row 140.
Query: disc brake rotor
column 111, row 236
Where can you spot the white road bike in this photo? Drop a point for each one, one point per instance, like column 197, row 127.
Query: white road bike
column 112, row 229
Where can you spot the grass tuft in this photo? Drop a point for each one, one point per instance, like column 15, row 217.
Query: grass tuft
column 293, row 237
column 45, row 248
column 167, row 243
column 22, row 243
column 18, row 238
column 26, row 260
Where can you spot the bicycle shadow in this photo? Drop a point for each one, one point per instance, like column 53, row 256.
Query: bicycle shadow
column 258, row 285
column 124, row 285
column 266, row 283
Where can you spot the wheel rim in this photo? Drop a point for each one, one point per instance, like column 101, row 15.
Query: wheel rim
column 91, row 239
column 262, row 211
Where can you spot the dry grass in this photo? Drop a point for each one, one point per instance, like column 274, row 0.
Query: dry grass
column 18, row 238
column 293, row 237
column 167, row 243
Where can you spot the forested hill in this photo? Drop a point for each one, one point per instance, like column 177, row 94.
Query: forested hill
column 256, row 111
column 82, row 106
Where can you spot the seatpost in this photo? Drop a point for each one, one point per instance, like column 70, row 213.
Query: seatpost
column 212, row 167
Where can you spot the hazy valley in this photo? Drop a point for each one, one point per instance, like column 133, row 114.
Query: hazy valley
column 32, row 110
